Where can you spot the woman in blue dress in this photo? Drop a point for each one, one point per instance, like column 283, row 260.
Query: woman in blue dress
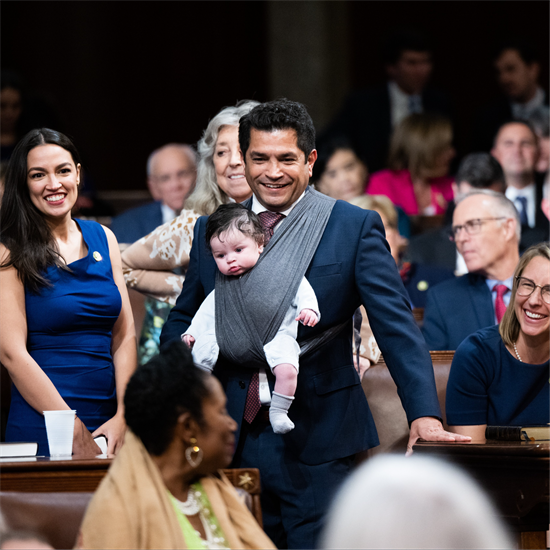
column 66, row 325
column 499, row 374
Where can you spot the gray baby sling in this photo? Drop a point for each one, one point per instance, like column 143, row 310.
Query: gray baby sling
column 251, row 308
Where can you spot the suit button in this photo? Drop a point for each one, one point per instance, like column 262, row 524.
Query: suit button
column 242, row 384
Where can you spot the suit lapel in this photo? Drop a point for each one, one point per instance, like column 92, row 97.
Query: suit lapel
column 482, row 301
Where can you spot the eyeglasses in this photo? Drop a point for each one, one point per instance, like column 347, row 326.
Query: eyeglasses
column 526, row 287
column 472, row 227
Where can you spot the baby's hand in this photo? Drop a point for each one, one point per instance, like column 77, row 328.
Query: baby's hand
column 189, row 340
column 307, row 317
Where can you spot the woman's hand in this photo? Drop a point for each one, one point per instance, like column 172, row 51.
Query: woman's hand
column 114, row 431
column 83, row 441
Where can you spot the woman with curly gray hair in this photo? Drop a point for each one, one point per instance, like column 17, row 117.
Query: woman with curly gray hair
column 149, row 263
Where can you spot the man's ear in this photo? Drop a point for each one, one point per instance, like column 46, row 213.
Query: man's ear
column 510, row 225
column 312, row 157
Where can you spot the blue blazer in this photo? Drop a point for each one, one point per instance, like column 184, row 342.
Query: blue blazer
column 352, row 265
column 135, row 223
column 455, row 309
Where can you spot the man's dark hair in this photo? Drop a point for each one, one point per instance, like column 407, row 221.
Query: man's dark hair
column 233, row 216
column 525, row 48
column 280, row 114
column 160, row 391
column 526, row 123
column 402, row 40
column 480, row 170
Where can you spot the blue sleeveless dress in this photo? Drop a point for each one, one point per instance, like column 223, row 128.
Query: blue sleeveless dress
column 69, row 327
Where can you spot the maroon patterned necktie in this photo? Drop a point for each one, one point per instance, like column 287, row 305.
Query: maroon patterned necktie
column 268, row 220
column 500, row 306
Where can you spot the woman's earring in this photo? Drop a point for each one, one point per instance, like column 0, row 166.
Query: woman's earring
column 193, row 449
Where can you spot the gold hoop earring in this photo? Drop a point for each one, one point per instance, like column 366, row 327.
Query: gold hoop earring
column 193, row 449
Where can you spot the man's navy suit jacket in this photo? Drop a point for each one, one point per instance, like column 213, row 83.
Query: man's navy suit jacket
column 137, row 222
column 352, row 265
column 455, row 309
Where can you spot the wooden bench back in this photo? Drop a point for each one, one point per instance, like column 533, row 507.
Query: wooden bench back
column 385, row 405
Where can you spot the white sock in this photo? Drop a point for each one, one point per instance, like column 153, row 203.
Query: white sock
column 278, row 413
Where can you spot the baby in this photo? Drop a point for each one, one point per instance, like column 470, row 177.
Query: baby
column 236, row 238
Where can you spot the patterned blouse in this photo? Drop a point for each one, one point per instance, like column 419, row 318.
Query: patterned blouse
column 148, row 264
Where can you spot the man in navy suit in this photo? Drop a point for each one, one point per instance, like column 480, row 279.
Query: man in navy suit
column 352, row 264
column 518, row 69
column 369, row 116
column 171, row 175
column 486, row 231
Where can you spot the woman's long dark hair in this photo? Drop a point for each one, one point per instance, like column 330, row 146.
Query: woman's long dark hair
column 23, row 229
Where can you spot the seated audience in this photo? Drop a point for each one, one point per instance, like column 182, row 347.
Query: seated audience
column 164, row 489
column 416, row 278
column 518, row 69
column 499, row 375
column 171, row 174
column 419, row 502
column 516, row 148
column 418, row 178
column 368, row 116
column 338, row 172
column 434, row 248
column 486, row 232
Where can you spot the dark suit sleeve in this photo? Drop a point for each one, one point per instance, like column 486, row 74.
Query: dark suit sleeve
column 192, row 293
column 434, row 327
column 393, row 325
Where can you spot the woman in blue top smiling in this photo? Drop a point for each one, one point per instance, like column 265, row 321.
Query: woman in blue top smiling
column 499, row 375
column 66, row 325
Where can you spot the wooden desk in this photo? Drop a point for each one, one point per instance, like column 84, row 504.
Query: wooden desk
column 515, row 475
column 45, row 474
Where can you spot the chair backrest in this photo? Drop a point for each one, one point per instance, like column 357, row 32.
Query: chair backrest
column 385, row 405
column 54, row 516
column 57, row 516
column 247, row 483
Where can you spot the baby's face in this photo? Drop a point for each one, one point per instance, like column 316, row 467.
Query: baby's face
column 234, row 252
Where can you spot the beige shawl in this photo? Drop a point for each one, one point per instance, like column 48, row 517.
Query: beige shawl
column 131, row 508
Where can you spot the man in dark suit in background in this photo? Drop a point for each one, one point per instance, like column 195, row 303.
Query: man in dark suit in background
column 486, row 231
column 351, row 265
column 517, row 69
column 517, row 149
column 369, row 116
column 171, row 175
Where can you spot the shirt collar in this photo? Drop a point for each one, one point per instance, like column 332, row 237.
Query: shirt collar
column 492, row 282
column 257, row 206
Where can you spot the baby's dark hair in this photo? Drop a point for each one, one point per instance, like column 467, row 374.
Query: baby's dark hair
column 234, row 216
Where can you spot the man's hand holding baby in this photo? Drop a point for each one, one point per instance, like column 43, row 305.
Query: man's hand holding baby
column 307, row 317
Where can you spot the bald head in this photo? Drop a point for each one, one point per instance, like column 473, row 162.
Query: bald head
column 171, row 174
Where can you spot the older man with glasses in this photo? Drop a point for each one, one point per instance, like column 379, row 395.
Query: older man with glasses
column 486, row 230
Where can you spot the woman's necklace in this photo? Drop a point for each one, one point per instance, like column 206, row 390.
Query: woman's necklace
column 517, row 354
column 191, row 506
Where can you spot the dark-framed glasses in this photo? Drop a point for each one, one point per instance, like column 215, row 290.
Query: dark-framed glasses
column 526, row 287
column 472, row 227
